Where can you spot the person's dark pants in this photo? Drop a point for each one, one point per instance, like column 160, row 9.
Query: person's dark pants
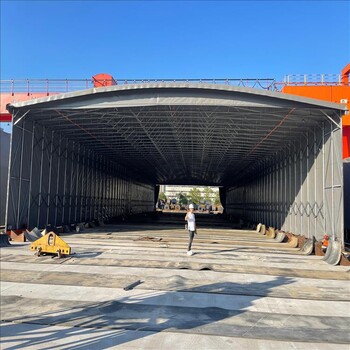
column 191, row 236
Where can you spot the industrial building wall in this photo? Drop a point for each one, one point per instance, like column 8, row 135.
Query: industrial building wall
column 299, row 190
column 54, row 180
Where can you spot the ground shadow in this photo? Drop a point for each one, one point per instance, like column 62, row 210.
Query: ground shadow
column 134, row 317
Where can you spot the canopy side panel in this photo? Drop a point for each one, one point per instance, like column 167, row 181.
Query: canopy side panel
column 56, row 181
column 300, row 189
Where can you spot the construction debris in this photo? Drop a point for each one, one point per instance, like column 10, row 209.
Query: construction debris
column 52, row 244
column 132, row 285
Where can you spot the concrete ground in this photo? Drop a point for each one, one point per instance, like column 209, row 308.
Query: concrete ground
column 240, row 290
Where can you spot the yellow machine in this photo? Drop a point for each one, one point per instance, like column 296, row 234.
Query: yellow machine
column 51, row 243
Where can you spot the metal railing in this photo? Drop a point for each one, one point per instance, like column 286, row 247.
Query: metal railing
column 32, row 86
column 54, row 86
column 313, row 79
column 50, row 86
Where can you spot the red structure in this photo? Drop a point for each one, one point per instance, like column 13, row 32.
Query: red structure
column 103, row 79
column 8, row 97
column 323, row 89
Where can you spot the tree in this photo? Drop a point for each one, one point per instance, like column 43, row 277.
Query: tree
column 208, row 194
column 162, row 196
column 195, row 195
column 217, row 199
column 182, row 199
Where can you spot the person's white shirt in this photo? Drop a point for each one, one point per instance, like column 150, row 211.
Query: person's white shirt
column 191, row 222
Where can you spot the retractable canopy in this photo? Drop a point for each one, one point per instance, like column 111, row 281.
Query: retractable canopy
column 179, row 133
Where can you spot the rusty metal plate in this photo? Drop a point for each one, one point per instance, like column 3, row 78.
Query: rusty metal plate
column 270, row 233
column 292, row 241
column 17, row 236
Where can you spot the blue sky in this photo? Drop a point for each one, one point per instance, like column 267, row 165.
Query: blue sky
column 159, row 39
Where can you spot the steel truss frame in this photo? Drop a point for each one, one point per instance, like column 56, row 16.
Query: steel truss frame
column 218, row 141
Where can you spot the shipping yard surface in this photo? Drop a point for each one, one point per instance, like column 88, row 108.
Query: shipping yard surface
column 240, row 290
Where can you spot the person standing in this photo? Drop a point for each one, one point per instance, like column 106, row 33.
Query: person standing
column 191, row 225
